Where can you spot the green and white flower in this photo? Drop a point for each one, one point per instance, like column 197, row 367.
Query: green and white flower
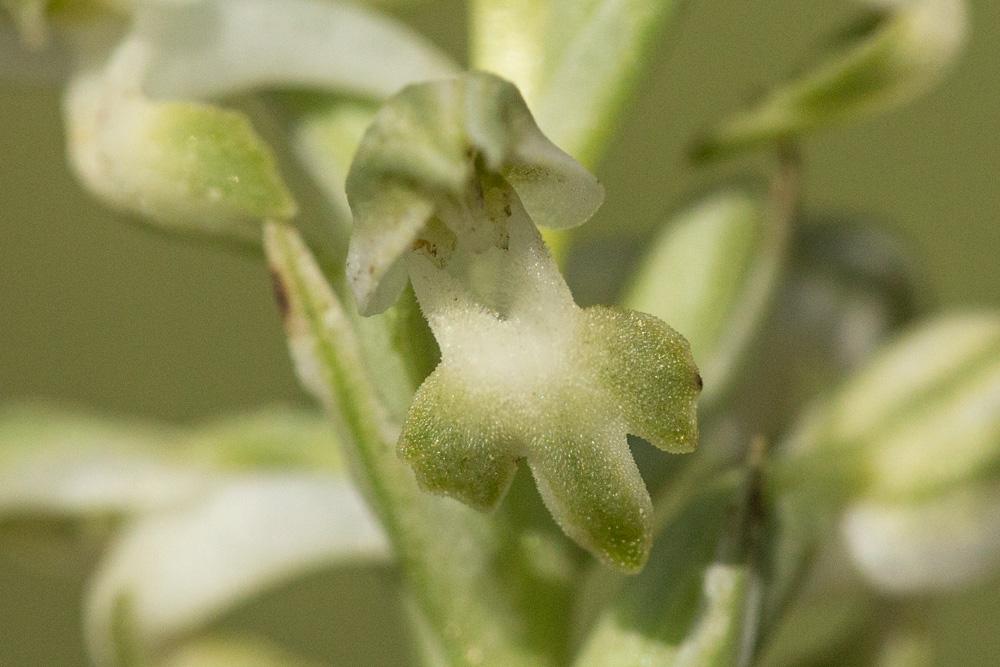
column 446, row 189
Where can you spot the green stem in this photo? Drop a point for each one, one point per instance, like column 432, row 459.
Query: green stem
column 479, row 601
column 759, row 292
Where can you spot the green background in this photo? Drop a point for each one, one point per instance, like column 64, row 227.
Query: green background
column 97, row 311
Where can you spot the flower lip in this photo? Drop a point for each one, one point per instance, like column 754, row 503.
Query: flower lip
column 528, row 375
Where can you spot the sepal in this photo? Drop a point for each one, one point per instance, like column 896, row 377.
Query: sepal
column 421, row 153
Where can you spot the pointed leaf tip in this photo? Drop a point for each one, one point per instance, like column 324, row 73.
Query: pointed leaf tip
column 900, row 55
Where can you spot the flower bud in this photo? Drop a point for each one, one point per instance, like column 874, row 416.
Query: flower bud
column 908, row 450
column 142, row 138
column 184, row 165
column 175, row 570
column 901, row 52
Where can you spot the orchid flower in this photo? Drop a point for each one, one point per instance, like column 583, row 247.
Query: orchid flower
column 447, row 187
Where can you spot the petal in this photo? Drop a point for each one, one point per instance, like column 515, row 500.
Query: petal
column 648, row 369
column 384, row 230
column 238, row 651
column 458, row 442
column 61, row 464
column 590, row 483
column 541, row 379
column 411, row 153
column 576, row 62
column 711, row 274
column 554, row 188
column 924, row 360
column 920, row 419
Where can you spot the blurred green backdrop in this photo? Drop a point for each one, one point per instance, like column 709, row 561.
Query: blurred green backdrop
column 101, row 313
